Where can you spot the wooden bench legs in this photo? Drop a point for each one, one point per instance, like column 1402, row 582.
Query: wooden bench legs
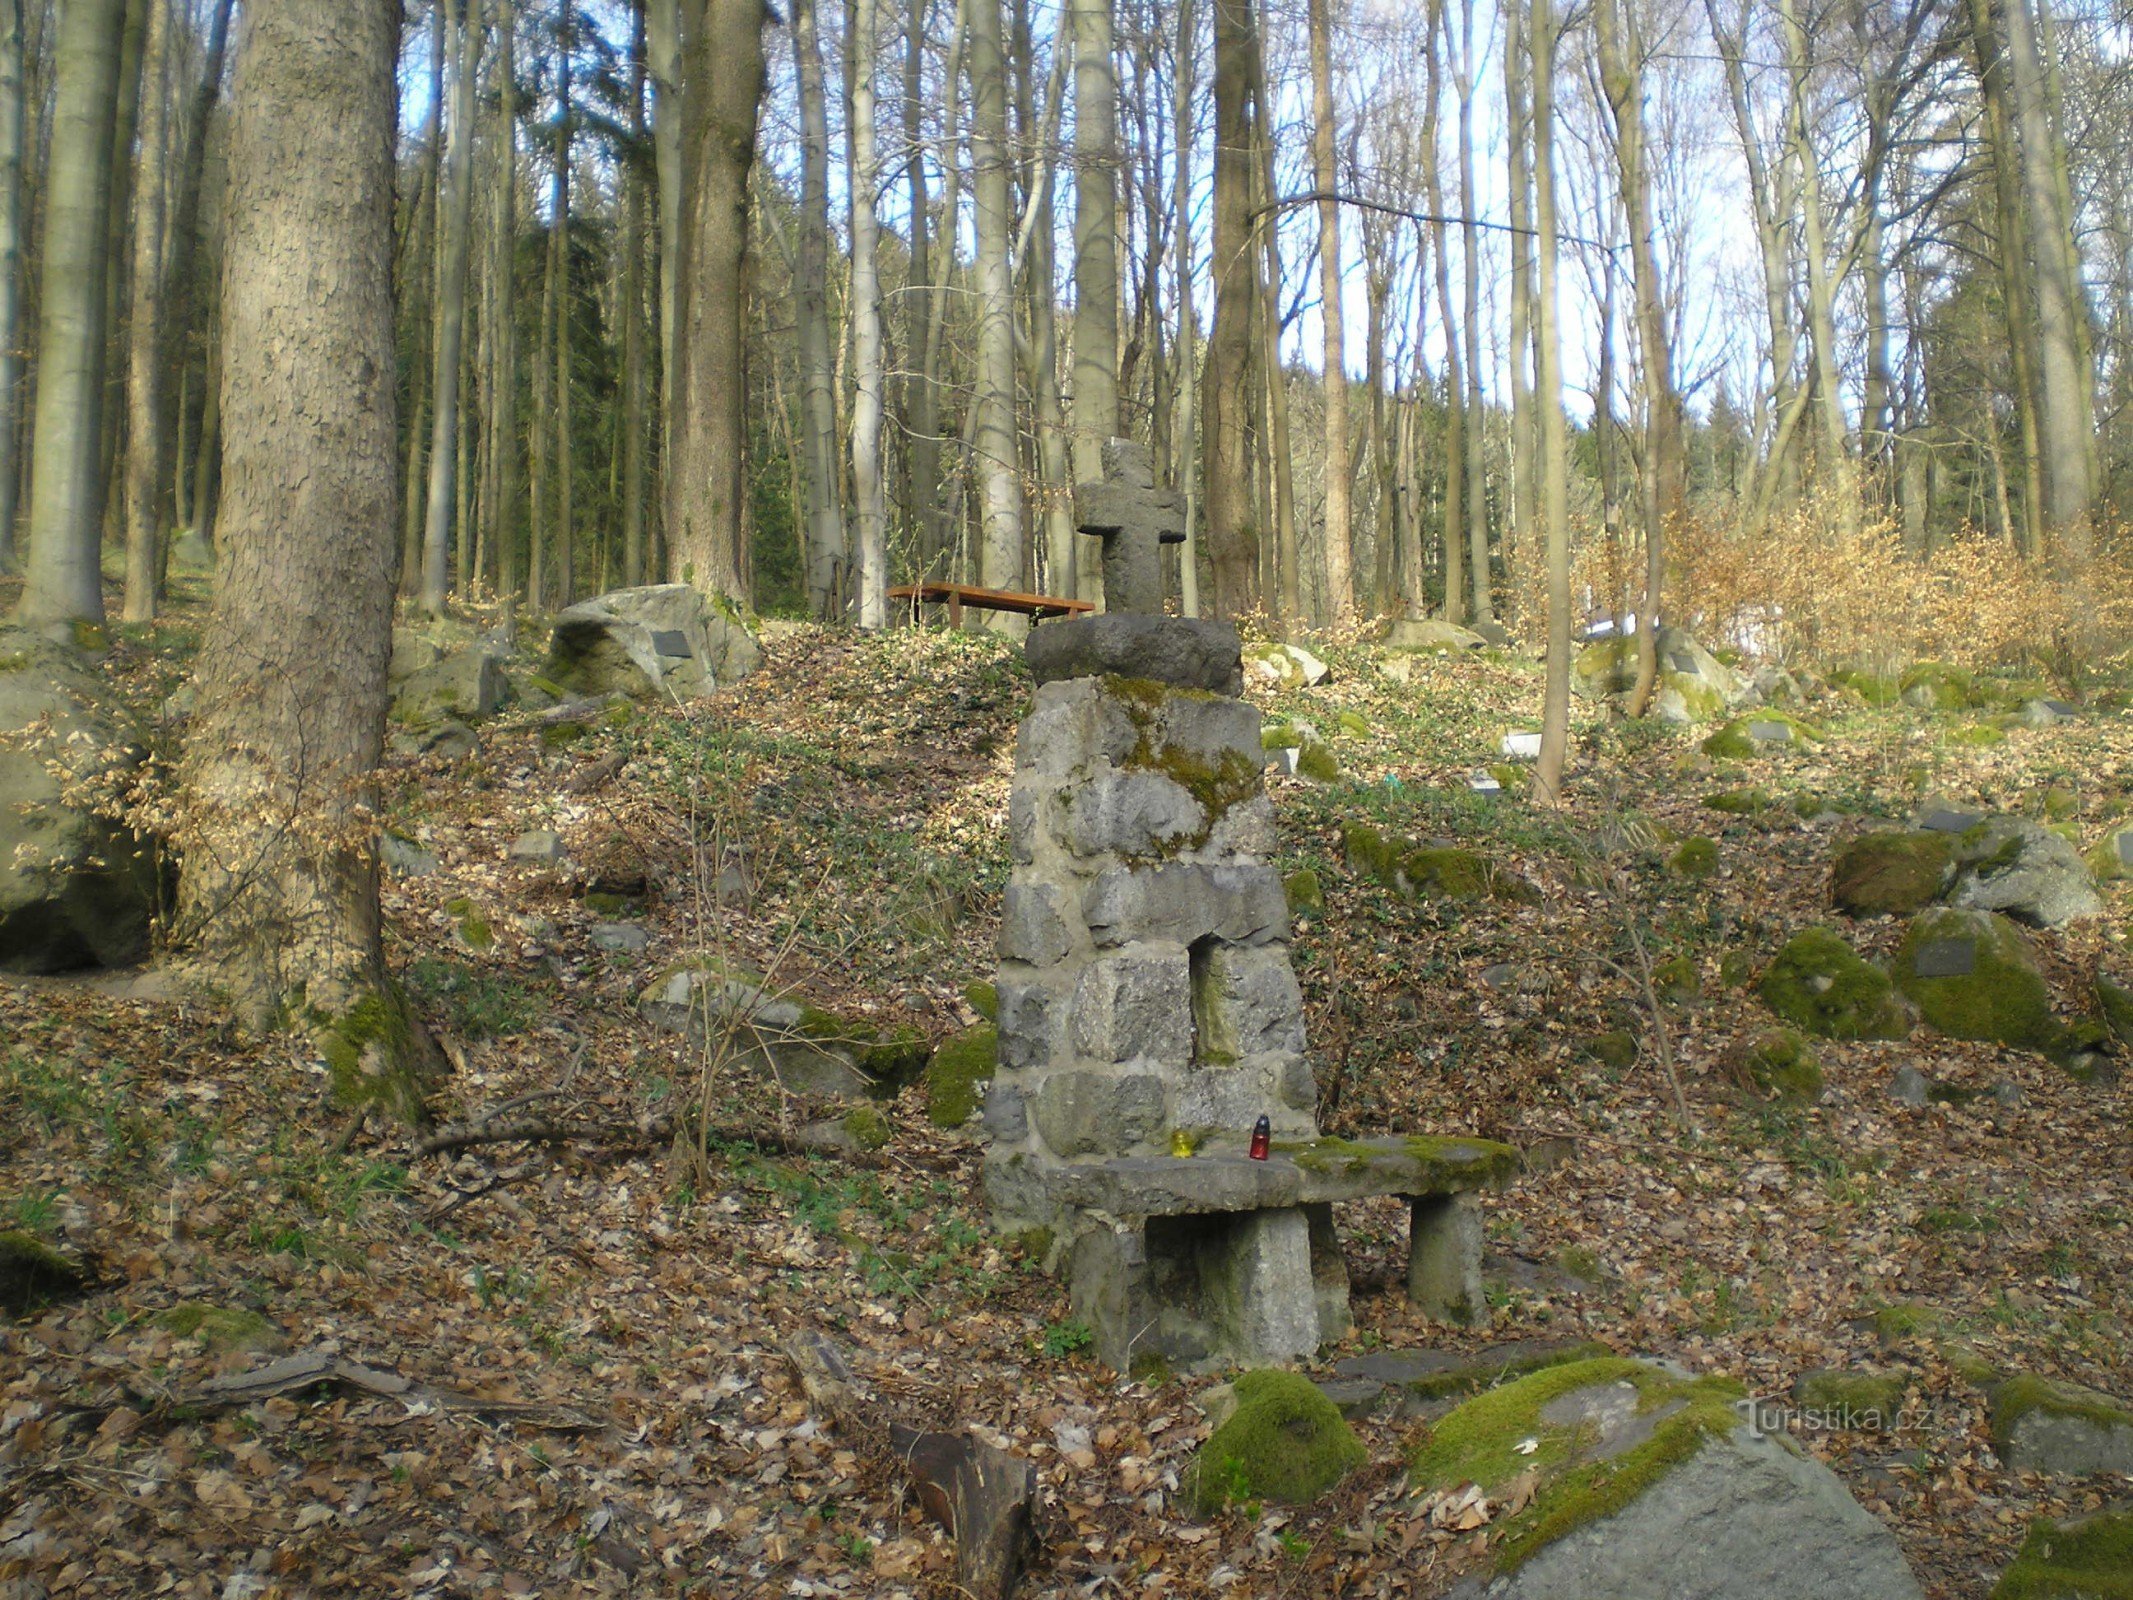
column 1444, row 1258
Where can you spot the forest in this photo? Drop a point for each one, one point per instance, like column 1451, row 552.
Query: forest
column 1066, row 798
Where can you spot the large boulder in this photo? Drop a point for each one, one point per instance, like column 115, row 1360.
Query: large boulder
column 1284, row 1441
column 2020, row 868
column 1972, row 975
column 76, row 888
column 1431, row 634
column 1819, row 983
column 2043, row 1425
column 1890, row 874
column 2078, row 1560
column 435, row 677
column 664, row 639
column 1693, row 685
column 1620, row 1480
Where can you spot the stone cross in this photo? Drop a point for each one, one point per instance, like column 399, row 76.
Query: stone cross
column 1134, row 519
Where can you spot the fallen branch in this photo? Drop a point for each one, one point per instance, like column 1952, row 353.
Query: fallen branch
column 981, row 1494
column 316, row 1368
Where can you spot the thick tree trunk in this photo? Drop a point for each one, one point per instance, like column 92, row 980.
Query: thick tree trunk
column 634, row 396
column 564, row 464
column 1232, row 535
column 721, row 88
column 827, row 577
column 14, row 236
column 998, row 447
column 1184, row 115
column 1477, row 489
column 279, row 899
column 1438, row 246
column 871, row 511
column 456, row 213
column 63, row 581
column 1339, row 469
column 921, row 390
column 1096, row 161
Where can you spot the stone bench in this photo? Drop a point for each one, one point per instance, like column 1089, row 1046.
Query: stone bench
column 1191, row 1259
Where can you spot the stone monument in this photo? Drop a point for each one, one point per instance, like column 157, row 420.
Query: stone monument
column 1147, row 1006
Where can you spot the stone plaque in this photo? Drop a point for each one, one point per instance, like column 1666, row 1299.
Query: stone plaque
column 1945, row 958
column 1682, row 661
column 672, row 642
column 2059, row 708
column 1951, row 821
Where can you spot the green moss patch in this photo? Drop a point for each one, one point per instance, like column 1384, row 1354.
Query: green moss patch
column 956, row 1070
column 1937, row 686
column 1972, row 975
column 221, row 1328
column 1615, row 1048
column 1286, row 1442
column 868, row 1126
column 1890, row 874
column 375, row 1056
column 32, row 1273
column 2111, row 858
column 1694, row 858
column 2090, row 1559
column 1779, row 1065
column 1499, row 1435
column 1819, row 983
column 2025, row 1395
column 1430, row 872
column 983, row 998
column 1738, row 802
column 1838, row 1398
column 1518, row 1363
column 1216, row 784
column 1306, row 896
column 1874, row 688
column 1738, row 739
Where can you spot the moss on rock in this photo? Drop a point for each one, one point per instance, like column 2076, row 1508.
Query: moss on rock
column 1736, row 742
column 32, row 1272
column 2000, row 997
column 868, row 1125
column 1616, row 1048
column 2111, row 858
column 1890, row 874
column 221, row 1328
column 1846, row 1398
column 1779, row 1065
column 375, row 1055
column 1937, row 686
column 1502, row 1434
column 2024, row 1395
column 1694, row 858
column 1738, row 802
column 1285, row 1442
column 983, row 998
column 1306, row 896
column 1819, row 983
column 2087, row 1559
column 956, row 1070
column 1873, row 688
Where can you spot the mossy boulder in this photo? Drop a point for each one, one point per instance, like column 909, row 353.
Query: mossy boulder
column 1616, row 1048
column 377, row 1054
column 664, row 640
column 221, row 1328
column 1870, row 688
column 1737, row 802
column 983, row 998
column 1759, row 734
column 1693, row 685
column 1284, row 1442
column 1778, row 1064
column 1817, row 982
column 1677, row 980
column 2013, row 865
column 956, row 1070
column 1846, row 1398
column 803, row 1048
column 2114, row 1001
column 1937, row 686
column 1890, row 874
column 2111, row 857
column 2044, row 1425
column 1976, row 736
column 33, row 1273
column 1973, row 975
column 1694, row 858
column 2090, row 1558
column 1306, row 896
column 1430, row 872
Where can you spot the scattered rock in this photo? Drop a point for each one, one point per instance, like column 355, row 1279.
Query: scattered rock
column 1890, row 874
column 1936, row 686
column 1973, row 975
column 405, row 858
column 805, row 1050
column 1779, row 1065
column 76, row 889
column 2044, row 1425
column 1283, row 666
column 1693, row 685
column 1285, row 1442
column 541, row 845
column 1617, row 1049
column 1694, row 858
column 956, row 1071
column 1610, row 1478
column 1307, row 897
column 431, row 681
column 858, row 1131
column 1819, row 983
column 221, row 1329
column 2012, row 865
column 32, row 1273
column 620, row 938
column 1910, row 1087
column 2111, row 858
column 663, row 639
column 2048, row 713
column 1759, row 734
column 1435, row 872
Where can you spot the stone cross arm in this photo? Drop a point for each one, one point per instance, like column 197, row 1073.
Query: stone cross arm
column 1134, row 518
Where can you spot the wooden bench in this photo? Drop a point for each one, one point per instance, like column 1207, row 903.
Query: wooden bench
column 955, row 596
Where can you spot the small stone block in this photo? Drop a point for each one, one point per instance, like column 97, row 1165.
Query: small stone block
column 1483, row 783
column 1945, row 958
column 1186, row 652
column 1256, row 1277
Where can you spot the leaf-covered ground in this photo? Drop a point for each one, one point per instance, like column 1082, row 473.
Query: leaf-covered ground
column 837, row 823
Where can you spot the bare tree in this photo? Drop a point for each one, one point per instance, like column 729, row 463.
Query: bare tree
column 1339, row 470
column 870, row 506
column 998, row 449
column 456, row 211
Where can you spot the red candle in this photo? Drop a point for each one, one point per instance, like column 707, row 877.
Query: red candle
column 1262, row 1137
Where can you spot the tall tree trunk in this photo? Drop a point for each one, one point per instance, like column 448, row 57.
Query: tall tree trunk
column 1437, row 244
column 63, row 582
column 922, row 404
column 634, row 396
column 1477, row 488
column 1096, row 197
column 144, row 480
column 722, row 88
column 871, row 511
column 1525, row 432
column 1232, row 535
column 456, row 214
column 1339, row 469
column 1548, row 382
column 827, row 577
column 14, row 235
column 280, row 892
column 1184, row 115
column 503, row 423
column 421, row 262
column 564, row 465
column 1836, row 467
column 1279, row 442
column 998, row 447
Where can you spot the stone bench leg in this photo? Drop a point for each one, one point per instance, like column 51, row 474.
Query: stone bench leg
column 1108, row 1284
column 1256, row 1275
column 1444, row 1258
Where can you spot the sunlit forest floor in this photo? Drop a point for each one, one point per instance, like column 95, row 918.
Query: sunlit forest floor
column 838, row 823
